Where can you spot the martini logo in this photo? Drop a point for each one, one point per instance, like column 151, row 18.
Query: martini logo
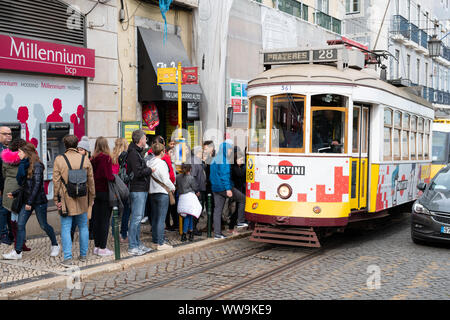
column 285, row 170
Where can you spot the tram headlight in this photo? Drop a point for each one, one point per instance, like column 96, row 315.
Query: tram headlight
column 284, row 191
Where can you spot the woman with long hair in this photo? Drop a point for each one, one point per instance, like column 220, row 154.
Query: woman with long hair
column 31, row 177
column 119, row 167
column 101, row 211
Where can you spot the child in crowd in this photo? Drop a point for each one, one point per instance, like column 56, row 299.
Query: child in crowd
column 188, row 204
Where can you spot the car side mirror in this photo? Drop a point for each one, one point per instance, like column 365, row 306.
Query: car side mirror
column 422, row 186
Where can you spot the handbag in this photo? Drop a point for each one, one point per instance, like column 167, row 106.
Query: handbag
column 171, row 195
column 114, row 198
column 121, row 188
column 18, row 201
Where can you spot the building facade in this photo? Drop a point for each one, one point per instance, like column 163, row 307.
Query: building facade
column 404, row 32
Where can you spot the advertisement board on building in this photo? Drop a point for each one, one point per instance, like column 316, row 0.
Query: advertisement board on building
column 238, row 95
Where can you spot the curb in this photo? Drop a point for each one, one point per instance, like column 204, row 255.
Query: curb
column 121, row 265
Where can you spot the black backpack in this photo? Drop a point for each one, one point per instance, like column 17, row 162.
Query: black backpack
column 77, row 184
column 123, row 175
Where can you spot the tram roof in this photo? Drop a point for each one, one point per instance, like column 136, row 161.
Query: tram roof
column 326, row 74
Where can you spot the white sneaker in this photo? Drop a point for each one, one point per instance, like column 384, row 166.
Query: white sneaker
column 164, row 246
column 96, row 250
column 144, row 220
column 242, row 225
column 144, row 249
column 135, row 252
column 104, row 252
column 13, row 255
column 55, row 251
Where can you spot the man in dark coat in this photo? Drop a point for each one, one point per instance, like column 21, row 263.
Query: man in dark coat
column 5, row 139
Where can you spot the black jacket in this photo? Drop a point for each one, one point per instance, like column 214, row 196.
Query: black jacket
column 137, row 170
column 2, row 180
column 34, row 193
column 238, row 177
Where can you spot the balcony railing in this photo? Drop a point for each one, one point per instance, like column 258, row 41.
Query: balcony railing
column 414, row 32
column 294, row 8
column 401, row 26
column 436, row 96
column 423, row 39
column 445, row 53
column 328, row 22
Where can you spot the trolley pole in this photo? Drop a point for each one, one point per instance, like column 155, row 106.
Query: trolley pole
column 209, row 214
column 116, row 233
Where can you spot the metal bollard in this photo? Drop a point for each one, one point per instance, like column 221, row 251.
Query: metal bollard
column 209, row 214
column 116, row 233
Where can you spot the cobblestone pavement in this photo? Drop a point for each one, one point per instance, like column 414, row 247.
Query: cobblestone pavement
column 37, row 263
column 406, row 271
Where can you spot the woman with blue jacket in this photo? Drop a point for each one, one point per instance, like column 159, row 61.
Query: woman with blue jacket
column 222, row 187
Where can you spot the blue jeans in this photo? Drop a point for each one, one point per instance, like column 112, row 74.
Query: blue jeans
column 160, row 204
column 138, row 200
column 41, row 215
column 3, row 220
column 188, row 223
column 125, row 220
column 66, row 225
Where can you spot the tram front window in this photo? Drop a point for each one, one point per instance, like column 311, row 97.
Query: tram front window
column 258, row 112
column 328, row 131
column 440, row 143
column 288, row 112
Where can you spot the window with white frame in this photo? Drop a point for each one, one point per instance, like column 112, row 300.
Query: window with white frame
column 323, row 5
column 352, row 6
column 387, row 135
column 405, row 136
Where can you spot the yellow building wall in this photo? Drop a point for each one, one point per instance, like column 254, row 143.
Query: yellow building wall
column 127, row 43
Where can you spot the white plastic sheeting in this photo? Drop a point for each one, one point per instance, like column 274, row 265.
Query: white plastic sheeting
column 210, row 41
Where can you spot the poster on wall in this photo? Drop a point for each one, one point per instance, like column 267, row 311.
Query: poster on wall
column 238, row 95
column 35, row 99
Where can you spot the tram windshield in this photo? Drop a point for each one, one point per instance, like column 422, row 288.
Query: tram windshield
column 440, row 143
column 258, row 115
column 288, row 112
column 328, row 124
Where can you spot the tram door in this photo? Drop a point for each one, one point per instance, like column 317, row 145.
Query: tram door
column 359, row 167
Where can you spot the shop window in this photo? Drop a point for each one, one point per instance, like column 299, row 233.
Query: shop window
column 258, row 124
column 328, row 124
column 387, row 141
column 287, row 126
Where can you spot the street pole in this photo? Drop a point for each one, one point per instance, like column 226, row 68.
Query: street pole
column 116, row 233
column 180, row 119
column 209, row 214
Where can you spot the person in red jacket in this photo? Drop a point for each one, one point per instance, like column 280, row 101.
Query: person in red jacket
column 172, row 209
column 101, row 211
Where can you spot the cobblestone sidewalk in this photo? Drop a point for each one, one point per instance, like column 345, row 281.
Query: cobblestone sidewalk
column 37, row 264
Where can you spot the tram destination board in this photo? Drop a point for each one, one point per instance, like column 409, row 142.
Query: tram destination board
column 302, row 56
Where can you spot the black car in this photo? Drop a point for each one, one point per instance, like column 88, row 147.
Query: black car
column 431, row 212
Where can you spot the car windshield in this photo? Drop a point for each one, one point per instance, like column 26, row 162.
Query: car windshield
column 439, row 146
column 441, row 181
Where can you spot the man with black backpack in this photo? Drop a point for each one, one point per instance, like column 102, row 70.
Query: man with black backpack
column 74, row 194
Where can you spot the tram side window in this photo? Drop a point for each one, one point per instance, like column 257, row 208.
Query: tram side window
column 397, row 131
column 412, row 137
column 420, row 139
column 288, row 115
column 439, row 147
column 258, row 132
column 426, row 141
column 356, row 129
column 405, row 136
column 387, row 144
column 328, row 129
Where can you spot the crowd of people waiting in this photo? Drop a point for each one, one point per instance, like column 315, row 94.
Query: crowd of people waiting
column 83, row 193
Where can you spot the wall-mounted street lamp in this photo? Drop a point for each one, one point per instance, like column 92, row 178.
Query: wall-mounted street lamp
column 435, row 45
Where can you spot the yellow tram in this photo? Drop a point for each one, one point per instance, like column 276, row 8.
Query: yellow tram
column 441, row 145
column 329, row 143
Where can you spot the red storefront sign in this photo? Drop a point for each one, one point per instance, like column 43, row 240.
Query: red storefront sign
column 236, row 104
column 190, row 75
column 45, row 57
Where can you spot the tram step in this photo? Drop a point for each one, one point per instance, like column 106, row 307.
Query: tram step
column 303, row 237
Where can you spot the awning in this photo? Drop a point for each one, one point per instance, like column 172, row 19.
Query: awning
column 152, row 53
